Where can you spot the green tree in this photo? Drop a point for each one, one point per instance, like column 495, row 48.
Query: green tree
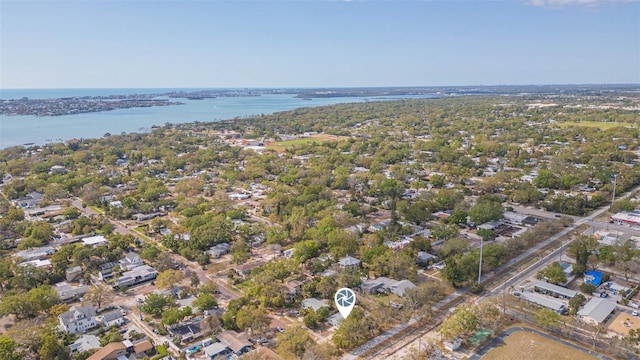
column 547, row 318
column 553, row 274
column 305, row 250
column 112, row 336
column 53, row 349
column 355, row 330
column 293, row 342
column 587, row 288
column 205, row 301
column 8, row 349
column 575, row 303
column 253, row 318
column 155, row 304
column 464, row 321
column 172, row 316
column 486, row 209
column 169, row 278
column 99, row 294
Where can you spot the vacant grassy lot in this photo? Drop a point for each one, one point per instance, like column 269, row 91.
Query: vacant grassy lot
column 602, row 125
column 522, row 345
column 283, row 145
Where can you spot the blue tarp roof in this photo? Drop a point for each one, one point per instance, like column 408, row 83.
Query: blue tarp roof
column 593, row 277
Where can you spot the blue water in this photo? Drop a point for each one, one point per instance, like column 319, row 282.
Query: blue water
column 19, row 130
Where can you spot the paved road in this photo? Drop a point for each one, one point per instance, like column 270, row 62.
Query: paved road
column 500, row 339
column 512, row 281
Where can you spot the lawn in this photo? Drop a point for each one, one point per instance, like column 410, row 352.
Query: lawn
column 523, row 345
column 283, row 145
column 602, row 125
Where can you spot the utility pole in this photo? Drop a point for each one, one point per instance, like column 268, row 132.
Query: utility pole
column 480, row 266
column 615, row 180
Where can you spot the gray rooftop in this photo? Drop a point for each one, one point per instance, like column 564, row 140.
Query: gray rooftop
column 542, row 300
column 401, row 286
column 349, row 261
column 313, row 303
column 598, row 309
column 215, row 348
column 556, row 289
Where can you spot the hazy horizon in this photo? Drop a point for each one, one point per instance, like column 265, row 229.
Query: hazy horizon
column 321, row 87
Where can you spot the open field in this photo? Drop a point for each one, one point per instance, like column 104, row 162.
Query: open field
column 526, row 346
column 623, row 323
column 283, row 145
column 602, row 125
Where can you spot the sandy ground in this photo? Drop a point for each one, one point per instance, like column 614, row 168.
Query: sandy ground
column 618, row 323
column 526, row 346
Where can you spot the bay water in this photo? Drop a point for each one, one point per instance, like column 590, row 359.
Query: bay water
column 39, row 130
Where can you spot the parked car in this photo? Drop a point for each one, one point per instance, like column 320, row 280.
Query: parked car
column 634, row 313
column 280, row 329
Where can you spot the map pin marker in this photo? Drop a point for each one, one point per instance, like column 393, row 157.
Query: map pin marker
column 345, row 301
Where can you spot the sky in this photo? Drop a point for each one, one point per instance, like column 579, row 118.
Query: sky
column 314, row 43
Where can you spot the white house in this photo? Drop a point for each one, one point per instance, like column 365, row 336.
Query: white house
column 95, row 241
column 130, row 261
column 78, row 319
column 136, row 275
column 110, row 318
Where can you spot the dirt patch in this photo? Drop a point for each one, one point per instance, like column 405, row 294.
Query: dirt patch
column 523, row 345
column 623, row 323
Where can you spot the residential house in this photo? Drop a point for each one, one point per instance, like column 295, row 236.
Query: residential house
column 377, row 286
column 597, row 310
column 30, row 201
column 94, row 241
column 216, row 349
column 68, row 292
column 73, row 273
column 349, row 262
column 401, row 286
column 130, row 261
column 379, row 226
column 143, row 348
column 288, row 253
column 219, row 250
column 112, row 351
column 35, row 254
column 329, row 273
column 136, row 276
column 57, row 169
column 314, row 304
column 186, row 331
column 78, row 319
column 424, row 258
column 383, row 285
column 110, row 318
column 37, row 263
column 513, row 218
column 237, row 342
column 294, row 287
column 105, row 271
column 85, row 343
column 335, row 319
column 245, row 269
